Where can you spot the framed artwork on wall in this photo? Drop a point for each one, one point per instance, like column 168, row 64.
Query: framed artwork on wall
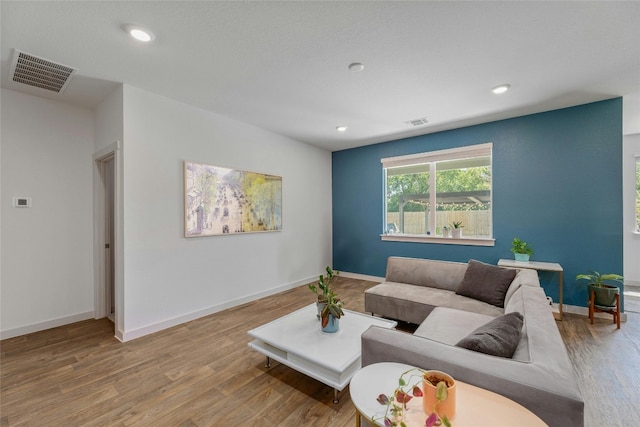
column 219, row 201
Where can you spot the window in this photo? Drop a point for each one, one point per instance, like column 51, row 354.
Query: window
column 427, row 193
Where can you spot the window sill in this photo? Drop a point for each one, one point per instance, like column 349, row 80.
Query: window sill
column 415, row 238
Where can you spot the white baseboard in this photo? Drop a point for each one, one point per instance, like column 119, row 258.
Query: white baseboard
column 361, row 277
column 156, row 327
column 175, row 321
column 48, row 324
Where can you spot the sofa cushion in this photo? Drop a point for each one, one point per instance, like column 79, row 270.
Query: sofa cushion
column 499, row 337
column 516, row 303
column 425, row 272
column 448, row 325
column 515, row 284
column 485, row 282
column 382, row 298
column 397, row 301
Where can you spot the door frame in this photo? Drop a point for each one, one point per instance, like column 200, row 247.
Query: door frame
column 100, row 158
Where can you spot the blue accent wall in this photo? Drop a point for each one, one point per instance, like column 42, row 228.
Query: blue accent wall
column 557, row 184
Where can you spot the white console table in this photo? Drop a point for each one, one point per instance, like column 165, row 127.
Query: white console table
column 539, row 266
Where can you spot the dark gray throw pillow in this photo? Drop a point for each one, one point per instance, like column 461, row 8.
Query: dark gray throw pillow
column 499, row 337
column 486, row 282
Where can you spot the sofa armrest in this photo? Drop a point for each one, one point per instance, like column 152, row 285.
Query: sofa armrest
column 544, row 394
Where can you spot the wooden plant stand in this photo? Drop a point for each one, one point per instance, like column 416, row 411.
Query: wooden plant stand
column 615, row 311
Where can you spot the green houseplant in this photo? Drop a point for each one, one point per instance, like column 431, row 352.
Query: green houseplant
column 329, row 305
column 521, row 250
column 456, row 230
column 408, row 388
column 604, row 293
column 324, row 285
column 331, row 313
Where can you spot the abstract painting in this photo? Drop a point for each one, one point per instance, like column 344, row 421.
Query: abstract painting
column 220, row 201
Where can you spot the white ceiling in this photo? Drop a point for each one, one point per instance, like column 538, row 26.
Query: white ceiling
column 283, row 66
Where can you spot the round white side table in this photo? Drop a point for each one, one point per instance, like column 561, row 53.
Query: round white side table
column 475, row 406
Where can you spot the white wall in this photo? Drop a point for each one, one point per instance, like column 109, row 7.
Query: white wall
column 47, row 250
column 47, row 267
column 109, row 120
column 630, row 147
column 169, row 279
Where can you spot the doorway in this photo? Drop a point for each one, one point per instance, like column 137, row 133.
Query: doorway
column 109, row 234
column 107, row 246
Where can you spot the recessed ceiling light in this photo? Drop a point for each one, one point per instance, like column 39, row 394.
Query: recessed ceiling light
column 341, row 128
column 500, row 89
column 139, row 33
column 356, row 67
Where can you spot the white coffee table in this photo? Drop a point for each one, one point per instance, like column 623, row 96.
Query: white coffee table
column 296, row 340
column 474, row 405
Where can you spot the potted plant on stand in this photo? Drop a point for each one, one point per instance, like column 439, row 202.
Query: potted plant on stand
column 604, row 293
column 323, row 288
column 521, row 250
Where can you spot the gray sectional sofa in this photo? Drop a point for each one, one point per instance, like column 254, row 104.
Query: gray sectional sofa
column 538, row 375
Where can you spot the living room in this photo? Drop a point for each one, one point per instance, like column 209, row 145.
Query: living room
column 558, row 183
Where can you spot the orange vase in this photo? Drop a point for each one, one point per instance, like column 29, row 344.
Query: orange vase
column 430, row 403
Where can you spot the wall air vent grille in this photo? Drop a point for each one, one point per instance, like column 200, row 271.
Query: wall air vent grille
column 417, row 122
column 39, row 72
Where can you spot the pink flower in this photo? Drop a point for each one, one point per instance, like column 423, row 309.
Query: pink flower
column 417, row 391
column 431, row 420
column 383, row 399
column 403, row 397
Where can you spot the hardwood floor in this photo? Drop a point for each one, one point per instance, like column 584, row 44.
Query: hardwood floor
column 607, row 364
column 203, row 374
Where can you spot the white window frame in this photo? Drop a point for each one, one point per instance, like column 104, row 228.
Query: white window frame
column 479, row 150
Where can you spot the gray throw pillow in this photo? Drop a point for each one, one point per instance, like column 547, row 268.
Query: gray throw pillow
column 486, row 282
column 499, row 337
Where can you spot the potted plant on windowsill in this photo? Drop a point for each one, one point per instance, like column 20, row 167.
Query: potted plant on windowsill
column 604, row 293
column 521, row 250
column 323, row 287
column 456, row 231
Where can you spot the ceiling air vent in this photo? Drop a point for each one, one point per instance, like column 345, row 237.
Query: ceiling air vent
column 417, row 122
column 39, row 72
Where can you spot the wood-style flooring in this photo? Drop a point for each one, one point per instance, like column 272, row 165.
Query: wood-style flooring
column 202, row 373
